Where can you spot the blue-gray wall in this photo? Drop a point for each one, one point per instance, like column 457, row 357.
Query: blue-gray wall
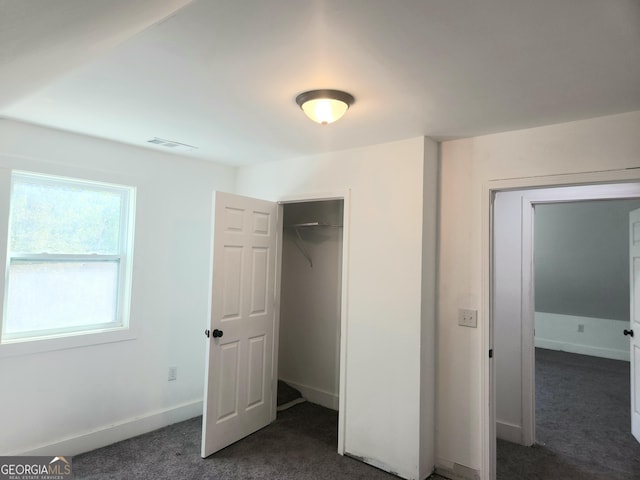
column 581, row 258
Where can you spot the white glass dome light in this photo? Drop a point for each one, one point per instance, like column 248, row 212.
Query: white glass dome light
column 324, row 106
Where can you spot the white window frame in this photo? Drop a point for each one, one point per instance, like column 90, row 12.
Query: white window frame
column 88, row 334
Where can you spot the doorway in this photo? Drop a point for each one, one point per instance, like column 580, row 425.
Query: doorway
column 582, row 303
column 513, row 305
column 241, row 369
column 311, row 300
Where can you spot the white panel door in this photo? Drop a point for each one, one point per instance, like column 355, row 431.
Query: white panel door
column 634, row 261
column 240, row 393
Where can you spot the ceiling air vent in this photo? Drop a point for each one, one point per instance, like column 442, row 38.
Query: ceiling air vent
column 177, row 146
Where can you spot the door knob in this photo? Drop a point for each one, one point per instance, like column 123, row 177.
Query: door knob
column 628, row 332
column 218, row 333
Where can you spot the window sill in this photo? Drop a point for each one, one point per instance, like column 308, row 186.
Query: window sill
column 84, row 339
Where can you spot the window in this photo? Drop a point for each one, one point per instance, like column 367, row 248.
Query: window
column 68, row 258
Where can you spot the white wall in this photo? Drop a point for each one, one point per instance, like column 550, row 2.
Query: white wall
column 507, row 344
column 384, row 408
column 582, row 258
column 68, row 401
column 309, row 347
column 582, row 277
column 600, row 144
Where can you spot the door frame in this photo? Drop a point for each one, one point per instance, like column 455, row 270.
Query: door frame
column 345, row 196
column 601, row 181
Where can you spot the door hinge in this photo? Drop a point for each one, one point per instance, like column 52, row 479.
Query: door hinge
column 491, row 353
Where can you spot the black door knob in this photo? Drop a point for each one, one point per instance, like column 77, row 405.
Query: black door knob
column 628, row 332
column 217, row 333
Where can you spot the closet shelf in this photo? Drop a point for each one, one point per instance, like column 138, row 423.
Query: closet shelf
column 300, row 242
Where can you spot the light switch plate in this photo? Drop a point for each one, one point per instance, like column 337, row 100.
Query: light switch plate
column 467, row 318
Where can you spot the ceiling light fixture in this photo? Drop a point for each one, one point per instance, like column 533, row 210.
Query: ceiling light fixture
column 324, row 106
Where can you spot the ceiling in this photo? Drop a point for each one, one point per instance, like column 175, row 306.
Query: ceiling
column 222, row 75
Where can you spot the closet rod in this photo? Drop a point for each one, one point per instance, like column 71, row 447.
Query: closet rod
column 312, row 224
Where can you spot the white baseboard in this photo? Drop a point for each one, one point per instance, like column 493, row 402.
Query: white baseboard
column 509, row 432
column 455, row 471
column 314, row 395
column 109, row 434
column 583, row 349
column 597, row 337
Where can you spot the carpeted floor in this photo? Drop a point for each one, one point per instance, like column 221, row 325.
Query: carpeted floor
column 287, row 396
column 582, row 423
column 582, row 429
column 301, row 444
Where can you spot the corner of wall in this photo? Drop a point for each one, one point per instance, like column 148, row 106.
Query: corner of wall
column 431, row 182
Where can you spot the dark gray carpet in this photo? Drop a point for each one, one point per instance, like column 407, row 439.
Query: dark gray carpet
column 582, row 423
column 301, row 444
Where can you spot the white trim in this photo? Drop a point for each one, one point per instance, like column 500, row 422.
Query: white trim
column 78, row 339
column 109, row 434
column 344, row 321
column 52, row 339
column 488, row 384
column 583, row 349
column 5, row 201
column 527, row 315
column 315, row 197
column 487, row 388
column 276, row 313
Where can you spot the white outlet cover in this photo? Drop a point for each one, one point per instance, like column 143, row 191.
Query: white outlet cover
column 468, row 318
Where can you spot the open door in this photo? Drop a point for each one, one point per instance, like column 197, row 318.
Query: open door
column 240, row 378
column 634, row 261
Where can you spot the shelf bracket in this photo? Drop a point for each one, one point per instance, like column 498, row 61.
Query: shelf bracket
column 300, row 244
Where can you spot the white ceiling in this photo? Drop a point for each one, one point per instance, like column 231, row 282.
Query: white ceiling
column 223, row 74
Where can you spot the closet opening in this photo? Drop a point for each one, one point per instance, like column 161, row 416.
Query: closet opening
column 310, row 314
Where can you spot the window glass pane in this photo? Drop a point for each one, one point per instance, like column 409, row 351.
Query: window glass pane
column 45, row 295
column 63, row 219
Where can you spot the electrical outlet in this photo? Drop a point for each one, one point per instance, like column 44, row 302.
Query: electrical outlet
column 467, row 318
column 173, row 374
column 580, row 328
